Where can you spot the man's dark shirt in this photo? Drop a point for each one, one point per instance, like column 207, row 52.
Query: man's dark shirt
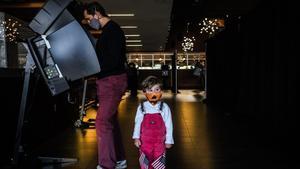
column 111, row 50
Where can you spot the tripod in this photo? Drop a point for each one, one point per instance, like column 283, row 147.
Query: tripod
column 31, row 63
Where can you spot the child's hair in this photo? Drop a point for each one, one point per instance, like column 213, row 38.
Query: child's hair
column 149, row 82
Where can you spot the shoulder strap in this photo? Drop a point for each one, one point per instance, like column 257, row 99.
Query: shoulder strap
column 161, row 105
column 142, row 107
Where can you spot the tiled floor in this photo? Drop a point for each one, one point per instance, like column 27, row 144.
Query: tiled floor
column 204, row 139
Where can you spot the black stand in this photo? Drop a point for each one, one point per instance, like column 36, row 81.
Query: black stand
column 18, row 149
column 80, row 123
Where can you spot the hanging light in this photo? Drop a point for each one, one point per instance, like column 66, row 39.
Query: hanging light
column 188, row 42
column 209, row 26
column 10, row 29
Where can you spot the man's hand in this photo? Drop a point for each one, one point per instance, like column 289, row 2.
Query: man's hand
column 168, row 145
column 137, row 143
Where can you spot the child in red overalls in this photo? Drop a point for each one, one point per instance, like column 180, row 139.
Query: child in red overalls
column 153, row 129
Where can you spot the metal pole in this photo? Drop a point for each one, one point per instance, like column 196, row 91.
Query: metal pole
column 174, row 72
column 17, row 147
column 82, row 112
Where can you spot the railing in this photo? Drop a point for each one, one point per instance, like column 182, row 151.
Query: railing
column 154, row 60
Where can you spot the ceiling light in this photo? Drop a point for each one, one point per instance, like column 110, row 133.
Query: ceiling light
column 129, row 27
column 10, row 29
column 188, row 44
column 133, row 41
column 210, row 26
column 112, row 15
column 133, row 35
column 134, row 45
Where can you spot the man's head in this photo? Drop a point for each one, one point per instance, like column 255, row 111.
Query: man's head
column 93, row 13
column 152, row 89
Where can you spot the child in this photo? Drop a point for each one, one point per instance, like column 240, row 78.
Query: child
column 153, row 129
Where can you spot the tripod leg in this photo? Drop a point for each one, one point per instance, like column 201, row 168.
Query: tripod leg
column 57, row 160
column 53, row 162
column 82, row 113
column 18, row 146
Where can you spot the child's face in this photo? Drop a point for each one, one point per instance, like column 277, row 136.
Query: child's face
column 153, row 94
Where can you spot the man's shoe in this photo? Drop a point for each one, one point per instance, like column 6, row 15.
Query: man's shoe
column 121, row 164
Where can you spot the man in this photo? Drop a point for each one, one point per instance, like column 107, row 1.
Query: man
column 111, row 85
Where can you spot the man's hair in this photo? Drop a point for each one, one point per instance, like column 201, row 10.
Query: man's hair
column 149, row 82
column 92, row 7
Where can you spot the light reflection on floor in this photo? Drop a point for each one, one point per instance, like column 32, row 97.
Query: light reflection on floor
column 190, row 134
column 182, row 95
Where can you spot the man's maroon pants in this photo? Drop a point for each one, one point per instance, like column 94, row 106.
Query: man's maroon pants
column 110, row 147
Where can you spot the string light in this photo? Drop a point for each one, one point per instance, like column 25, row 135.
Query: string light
column 10, row 29
column 209, row 26
column 188, row 44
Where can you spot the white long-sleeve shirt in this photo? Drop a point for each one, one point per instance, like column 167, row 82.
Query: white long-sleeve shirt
column 151, row 109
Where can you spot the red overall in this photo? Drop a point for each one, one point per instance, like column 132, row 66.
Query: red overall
column 153, row 136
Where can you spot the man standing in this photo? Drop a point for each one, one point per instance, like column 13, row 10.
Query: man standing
column 111, row 86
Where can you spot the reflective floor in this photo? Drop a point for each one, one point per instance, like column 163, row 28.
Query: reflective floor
column 204, row 139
